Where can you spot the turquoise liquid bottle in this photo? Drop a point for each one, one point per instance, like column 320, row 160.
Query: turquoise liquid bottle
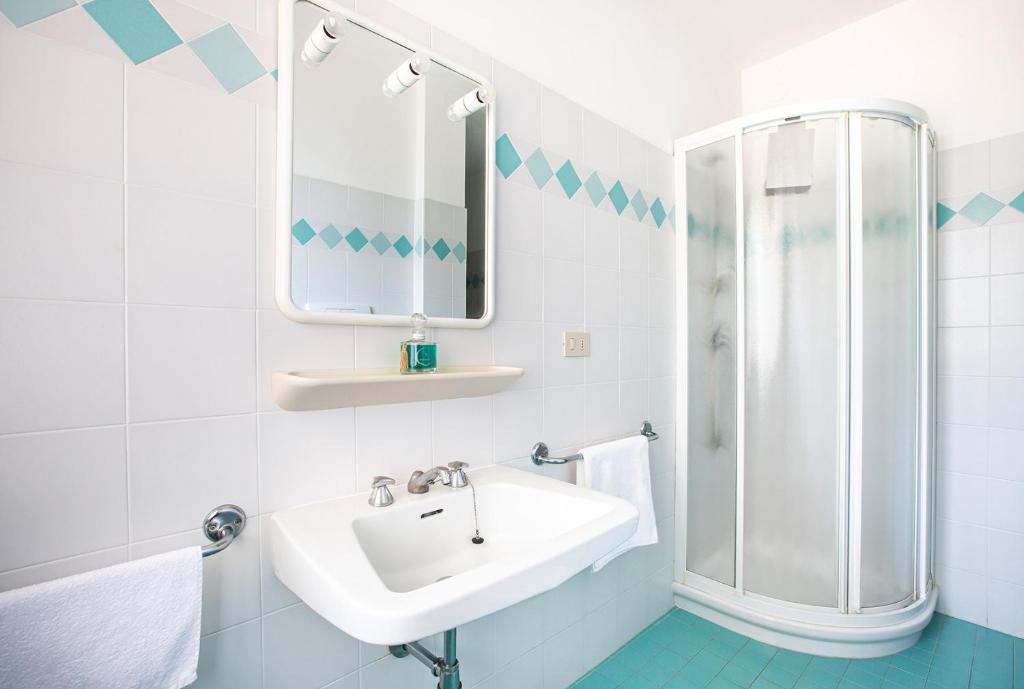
column 418, row 355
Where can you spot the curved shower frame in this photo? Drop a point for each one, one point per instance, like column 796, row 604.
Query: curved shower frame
column 848, row 629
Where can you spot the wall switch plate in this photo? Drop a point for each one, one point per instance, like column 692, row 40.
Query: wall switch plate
column 575, row 343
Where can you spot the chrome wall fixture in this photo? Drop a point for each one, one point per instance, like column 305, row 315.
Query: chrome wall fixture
column 222, row 526
column 540, row 450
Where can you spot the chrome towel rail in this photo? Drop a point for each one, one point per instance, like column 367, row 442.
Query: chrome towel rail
column 222, row 525
column 540, row 450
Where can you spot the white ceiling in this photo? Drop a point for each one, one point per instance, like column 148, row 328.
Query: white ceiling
column 754, row 31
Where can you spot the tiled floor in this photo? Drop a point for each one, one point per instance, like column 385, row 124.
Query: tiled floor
column 683, row 651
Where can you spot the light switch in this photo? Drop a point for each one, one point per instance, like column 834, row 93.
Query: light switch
column 575, row 343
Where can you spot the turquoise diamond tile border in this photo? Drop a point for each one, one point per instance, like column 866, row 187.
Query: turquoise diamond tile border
column 683, row 651
column 356, row 239
column 22, row 12
column 135, row 26
column 978, row 210
column 539, row 168
column 571, row 178
column 228, row 58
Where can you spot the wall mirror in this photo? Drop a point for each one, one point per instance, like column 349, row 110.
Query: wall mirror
column 385, row 176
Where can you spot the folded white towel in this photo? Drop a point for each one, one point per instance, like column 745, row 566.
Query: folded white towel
column 621, row 468
column 133, row 625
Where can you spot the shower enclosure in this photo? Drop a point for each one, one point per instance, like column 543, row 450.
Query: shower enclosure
column 805, row 467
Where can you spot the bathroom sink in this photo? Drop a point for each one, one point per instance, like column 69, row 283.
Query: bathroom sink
column 390, row 575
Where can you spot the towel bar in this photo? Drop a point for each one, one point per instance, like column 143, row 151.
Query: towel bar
column 540, row 450
column 222, row 525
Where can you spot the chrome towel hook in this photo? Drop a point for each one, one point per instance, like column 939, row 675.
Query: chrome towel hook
column 222, row 525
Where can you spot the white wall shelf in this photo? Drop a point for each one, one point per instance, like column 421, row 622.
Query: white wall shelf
column 333, row 389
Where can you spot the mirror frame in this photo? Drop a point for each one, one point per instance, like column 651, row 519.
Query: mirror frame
column 283, row 187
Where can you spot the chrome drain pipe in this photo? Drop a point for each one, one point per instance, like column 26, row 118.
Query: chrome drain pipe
column 445, row 668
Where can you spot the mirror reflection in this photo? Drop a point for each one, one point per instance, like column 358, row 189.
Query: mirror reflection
column 389, row 176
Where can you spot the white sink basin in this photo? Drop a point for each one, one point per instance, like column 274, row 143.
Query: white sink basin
column 390, row 575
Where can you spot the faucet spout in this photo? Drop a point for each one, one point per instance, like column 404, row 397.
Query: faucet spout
column 420, row 481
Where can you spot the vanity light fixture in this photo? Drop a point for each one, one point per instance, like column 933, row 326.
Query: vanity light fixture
column 324, row 38
column 407, row 74
column 470, row 103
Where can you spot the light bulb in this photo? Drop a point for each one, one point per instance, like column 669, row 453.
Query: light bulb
column 470, row 103
column 323, row 39
column 407, row 74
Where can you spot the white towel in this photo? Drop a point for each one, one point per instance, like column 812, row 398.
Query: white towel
column 621, row 468
column 133, row 625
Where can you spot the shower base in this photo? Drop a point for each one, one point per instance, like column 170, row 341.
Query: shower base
column 810, row 630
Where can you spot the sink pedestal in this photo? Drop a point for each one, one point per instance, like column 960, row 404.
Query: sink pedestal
column 445, row 668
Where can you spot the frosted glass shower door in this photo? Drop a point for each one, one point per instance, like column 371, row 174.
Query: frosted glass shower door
column 711, row 361
column 793, row 289
column 888, row 363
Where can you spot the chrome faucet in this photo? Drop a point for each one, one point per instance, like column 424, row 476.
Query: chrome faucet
column 453, row 475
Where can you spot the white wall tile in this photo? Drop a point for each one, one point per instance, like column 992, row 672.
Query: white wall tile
column 563, row 291
column 1005, row 601
column 79, row 478
column 662, row 352
column 181, row 470
column 563, row 229
column 963, row 170
column 1005, row 156
column 602, row 238
column 963, row 253
column 962, row 449
column 1006, row 454
column 518, row 423
column 961, row 498
column 1006, row 556
column 525, row 671
column 61, row 235
column 62, row 107
column 1008, row 351
column 188, row 138
column 602, row 365
column 1006, row 402
column 231, row 581
column 662, row 303
column 274, row 595
column 463, row 430
column 663, row 253
column 187, row 250
column 562, row 125
column 305, row 457
column 520, row 113
column 393, row 440
column 188, row 362
column 563, row 419
column 634, row 300
column 1008, row 299
column 519, row 292
column 602, row 405
column 961, row 546
column 518, row 212
column 1008, row 248
column 517, row 629
column 563, row 657
column 963, row 594
column 521, row 344
column 632, row 160
column 230, row 659
column 1006, row 505
column 62, row 367
column 462, row 347
column 601, row 296
column 55, row 569
column 285, row 345
column 634, row 396
column 963, row 351
column 302, row 650
column 963, row 400
column 390, row 672
column 600, row 143
column 963, row 302
column 634, row 246
column 633, row 353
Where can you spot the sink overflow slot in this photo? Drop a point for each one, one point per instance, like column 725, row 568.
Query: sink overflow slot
column 431, row 514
